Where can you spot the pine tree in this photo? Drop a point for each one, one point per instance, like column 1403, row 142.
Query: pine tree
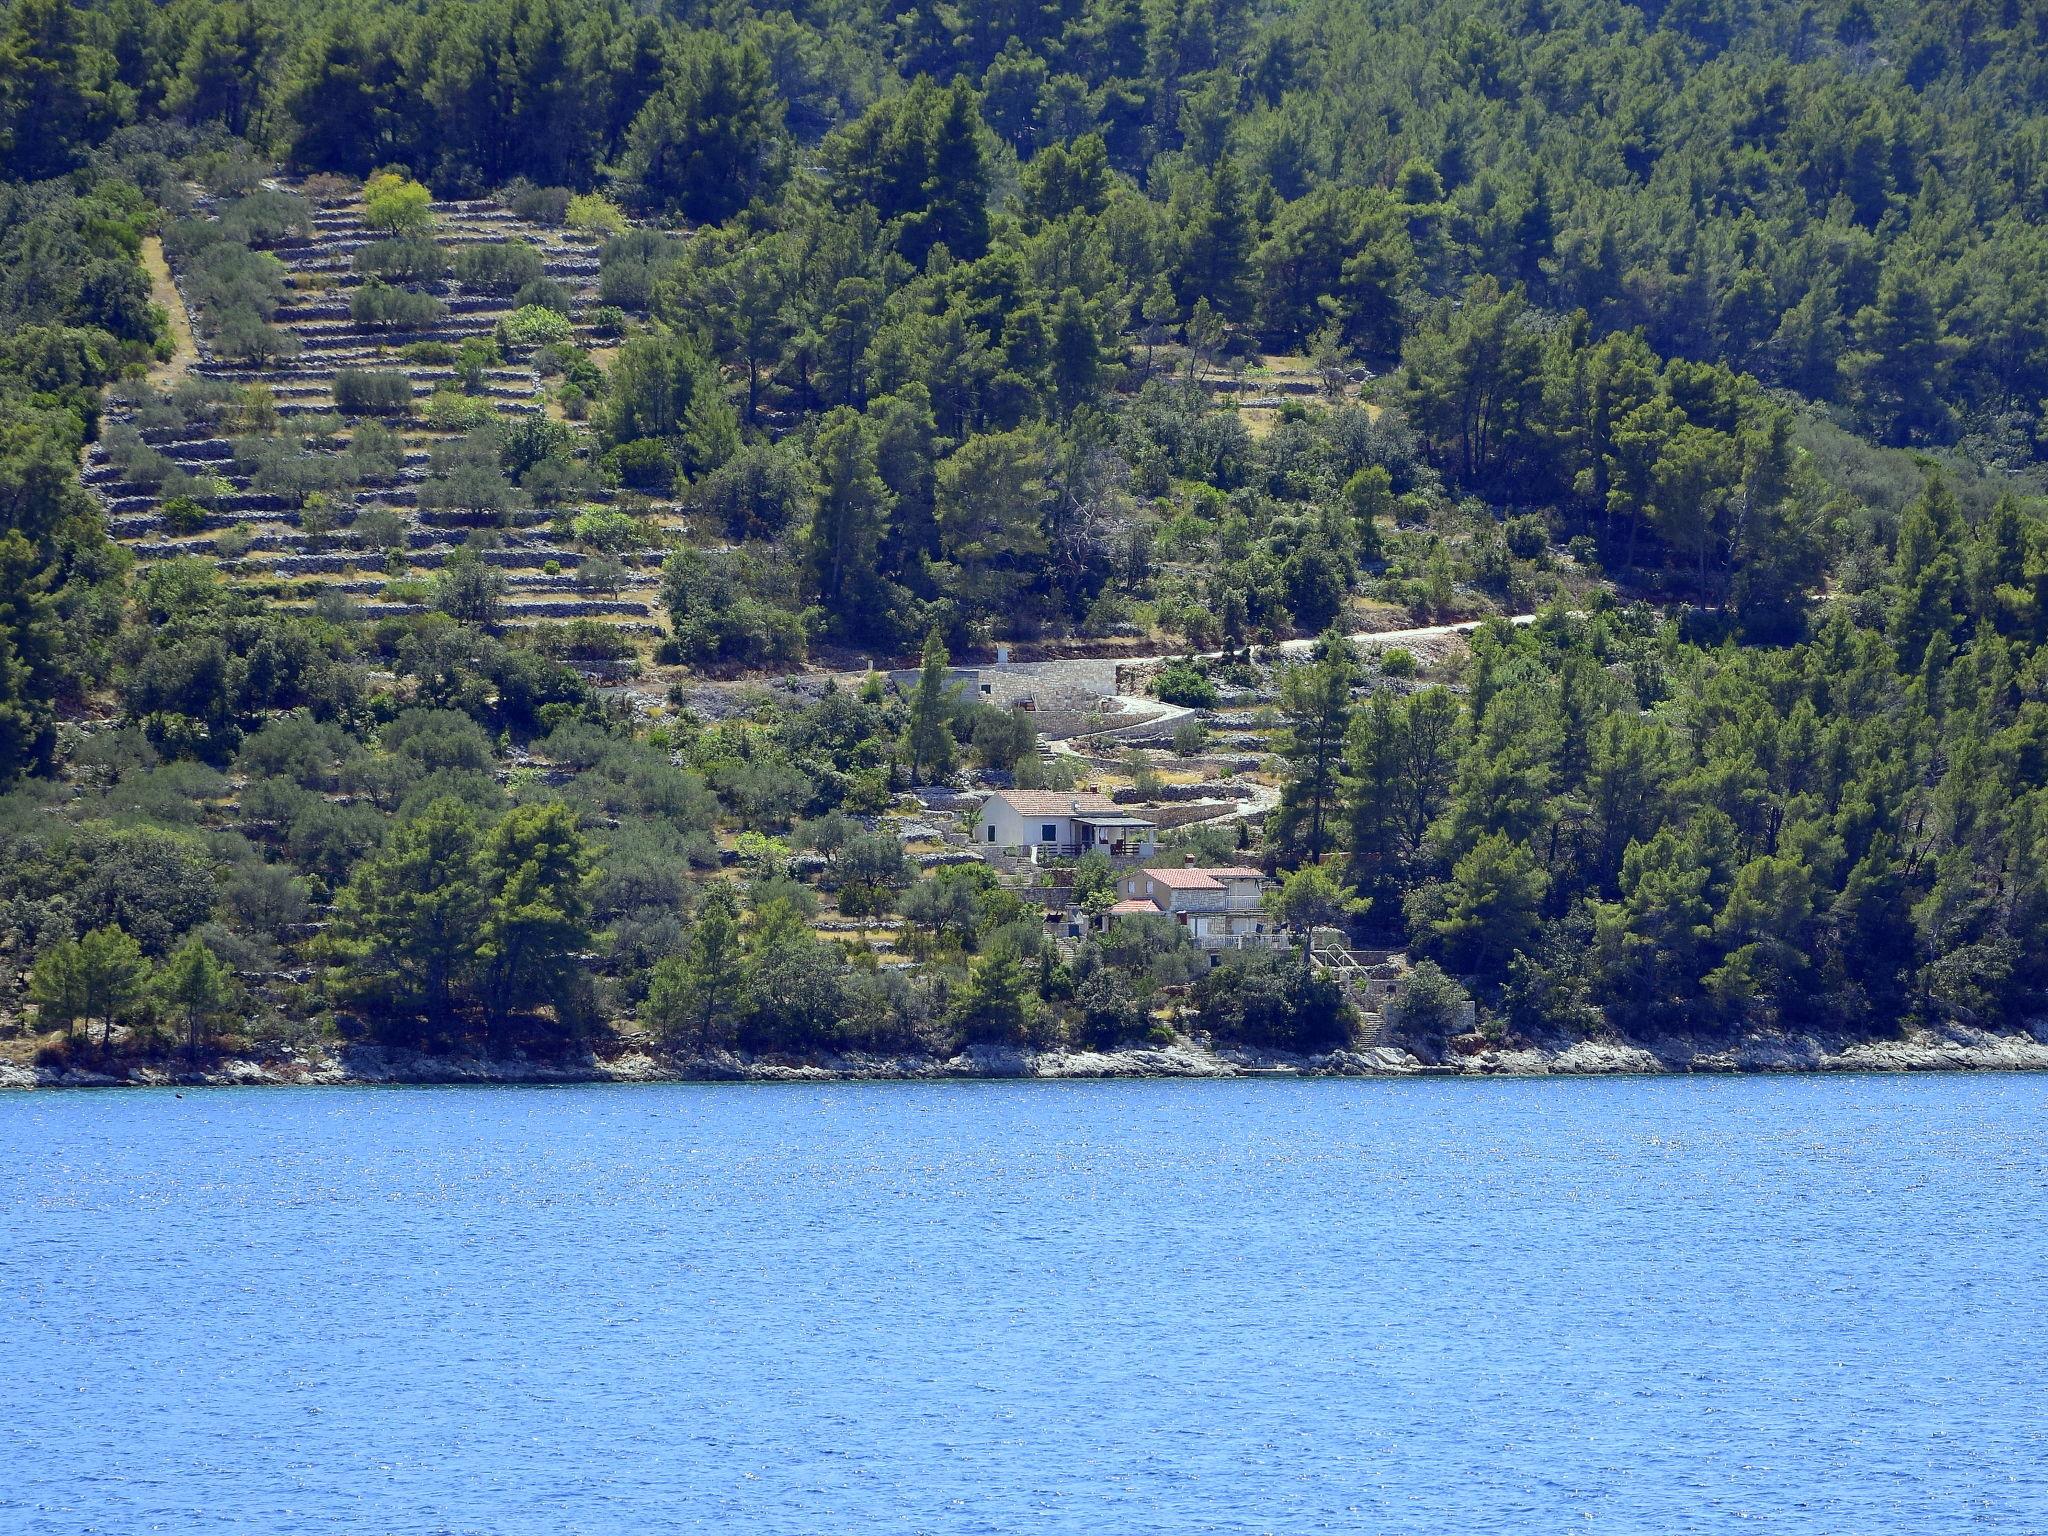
column 1495, row 901
column 906, row 454
column 196, row 985
column 536, row 867
column 998, row 1004
column 849, row 524
column 58, row 94
column 956, row 197
column 712, row 139
column 1315, row 703
column 30, row 645
column 694, row 999
column 1076, row 352
column 111, row 977
column 1900, row 369
column 227, row 66
column 410, row 919
column 1216, row 244
column 57, row 988
column 338, row 112
column 991, row 505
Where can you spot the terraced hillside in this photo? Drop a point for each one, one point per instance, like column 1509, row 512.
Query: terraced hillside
column 250, row 458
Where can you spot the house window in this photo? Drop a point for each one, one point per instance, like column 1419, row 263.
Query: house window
column 1048, row 832
column 991, row 831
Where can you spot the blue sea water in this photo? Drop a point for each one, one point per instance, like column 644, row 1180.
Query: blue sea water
column 1632, row 1305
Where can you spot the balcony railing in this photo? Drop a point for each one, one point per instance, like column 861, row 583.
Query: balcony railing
column 1046, row 853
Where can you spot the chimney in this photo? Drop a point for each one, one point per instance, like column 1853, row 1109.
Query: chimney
column 1003, row 654
column 1187, row 861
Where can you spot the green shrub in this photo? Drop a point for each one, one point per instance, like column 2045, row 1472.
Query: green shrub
column 1399, row 661
column 537, row 205
column 498, row 268
column 267, row 217
column 477, row 355
column 449, row 410
column 372, row 392
column 245, row 338
column 380, row 306
column 1181, row 683
column 533, row 325
column 182, row 514
column 629, row 266
column 378, row 527
column 1526, row 536
column 1268, row 999
column 1426, row 1007
column 595, row 214
column 543, row 293
column 410, row 259
column 397, row 204
column 583, row 639
column 646, row 464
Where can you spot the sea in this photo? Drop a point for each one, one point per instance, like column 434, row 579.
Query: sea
column 1656, row 1305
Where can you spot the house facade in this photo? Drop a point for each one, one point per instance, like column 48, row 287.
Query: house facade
column 1043, row 824
column 1222, row 908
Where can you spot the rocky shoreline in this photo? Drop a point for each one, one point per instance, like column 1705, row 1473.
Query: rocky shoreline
column 1954, row 1049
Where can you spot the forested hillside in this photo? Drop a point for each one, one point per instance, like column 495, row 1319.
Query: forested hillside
column 466, row 470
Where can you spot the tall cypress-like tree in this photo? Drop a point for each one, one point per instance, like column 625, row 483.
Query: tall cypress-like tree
column 930, row 738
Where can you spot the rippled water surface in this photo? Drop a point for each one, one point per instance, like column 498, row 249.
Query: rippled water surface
column 1658, row 1306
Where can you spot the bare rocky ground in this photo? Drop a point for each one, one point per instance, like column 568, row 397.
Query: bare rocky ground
column 1955, row 1049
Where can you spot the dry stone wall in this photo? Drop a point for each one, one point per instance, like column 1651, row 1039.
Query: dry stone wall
column 263, row 536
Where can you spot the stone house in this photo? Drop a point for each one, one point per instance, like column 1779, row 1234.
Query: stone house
column 1061, row 824
column 1222, row 908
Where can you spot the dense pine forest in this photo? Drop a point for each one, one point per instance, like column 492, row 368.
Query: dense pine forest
column 496, row 499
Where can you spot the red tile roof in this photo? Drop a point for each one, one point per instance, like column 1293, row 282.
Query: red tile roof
column 1054, row 802
column 1203, row 879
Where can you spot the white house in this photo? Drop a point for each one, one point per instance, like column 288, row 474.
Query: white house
column 1222, row 908
column 1062, row 824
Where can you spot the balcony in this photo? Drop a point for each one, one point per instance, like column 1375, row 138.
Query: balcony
column 1222, row 943
column 1052, row 853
